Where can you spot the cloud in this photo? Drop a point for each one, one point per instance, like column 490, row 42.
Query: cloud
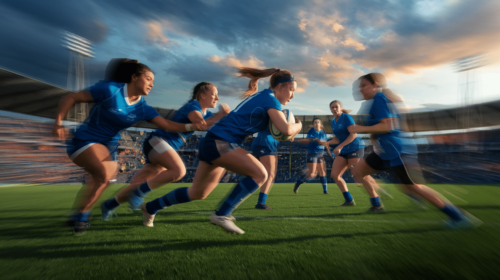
column 155, row 33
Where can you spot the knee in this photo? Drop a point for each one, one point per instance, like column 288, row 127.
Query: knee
column 180, row 173
column 261, row 177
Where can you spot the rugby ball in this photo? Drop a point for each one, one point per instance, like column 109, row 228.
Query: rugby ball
column 275, row 133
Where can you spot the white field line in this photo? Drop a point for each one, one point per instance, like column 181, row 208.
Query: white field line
column 19, row 185
column 454, row 196
column 340, row 220
column 459, row 189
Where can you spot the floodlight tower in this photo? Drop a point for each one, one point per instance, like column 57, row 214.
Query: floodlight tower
column 80, row 48
column 468, row 86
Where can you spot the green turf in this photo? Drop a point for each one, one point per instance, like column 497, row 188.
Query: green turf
column 305, row 236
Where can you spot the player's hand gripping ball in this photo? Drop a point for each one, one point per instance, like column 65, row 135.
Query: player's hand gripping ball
column 274, row 130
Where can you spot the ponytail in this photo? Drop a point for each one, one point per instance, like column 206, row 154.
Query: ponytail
column 278, row 76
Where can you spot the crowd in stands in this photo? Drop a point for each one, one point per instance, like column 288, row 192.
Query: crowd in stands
column 31, row 155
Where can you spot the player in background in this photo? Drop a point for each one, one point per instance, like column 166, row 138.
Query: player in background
column 118, row 104
column 393, row 152
column 221, row 149
column 315, row 156
column 348, row 152
column 163, row 163
column 265, row 149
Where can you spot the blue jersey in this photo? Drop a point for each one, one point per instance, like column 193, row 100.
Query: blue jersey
column 313, row 147
column 390, row 143
column 264, row 139
column 177, row 139
column 112, row 112
column 339, row 129
column 249, row 117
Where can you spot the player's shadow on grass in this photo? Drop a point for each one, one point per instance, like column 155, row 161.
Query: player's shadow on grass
column 489, row 207
column 79, row 249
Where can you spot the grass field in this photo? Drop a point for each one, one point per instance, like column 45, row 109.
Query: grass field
column 305, row 236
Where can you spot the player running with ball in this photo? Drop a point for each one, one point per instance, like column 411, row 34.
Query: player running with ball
column 221, row 149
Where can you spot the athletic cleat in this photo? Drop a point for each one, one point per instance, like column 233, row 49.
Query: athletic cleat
column 262, row 206
column 349, row 203
column 80, row 227
column 107, row 213
column 325, row 192
column 147, row 219
column 468, row 222
column 135, row 201
column 296, row 187
column 226, row 222
column 376, row 209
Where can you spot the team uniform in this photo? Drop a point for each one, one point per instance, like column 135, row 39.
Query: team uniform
column 400, row 155
column 315, row 151
column 264, row 145
column 315, row 154
column 112, row 112
column 249, row 117
column 355, row 149
column 161, row 141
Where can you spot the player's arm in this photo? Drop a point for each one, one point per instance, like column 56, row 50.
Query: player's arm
column 171, row 126
column 278, row 119
column 349, row 139
column 65, row 104
column 196, row 117
column 384, row 126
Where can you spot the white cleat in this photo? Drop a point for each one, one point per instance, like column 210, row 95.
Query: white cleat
column 226, row 222
column 147, row 219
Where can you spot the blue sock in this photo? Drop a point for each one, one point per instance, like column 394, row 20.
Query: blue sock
column 111, row 203
column 375, row 201
column 82, row 217
column 176, row 196
column 347, row 196
column 323, row 182
column 240, row 192
column 142, row 190
column 262, row 198
column 452, row 212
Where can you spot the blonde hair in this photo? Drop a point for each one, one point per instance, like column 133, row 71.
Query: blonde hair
column 256, row 74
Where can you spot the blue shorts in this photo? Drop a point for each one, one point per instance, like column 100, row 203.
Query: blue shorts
column 75, row 147
column 159, row 144
column 260, row 151
column 355, row 154
column 213, row 147
column 316, row 158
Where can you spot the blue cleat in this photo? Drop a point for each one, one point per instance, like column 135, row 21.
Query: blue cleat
column 296, row 187
column 262, row 206
column 135, row 201
column 107, row 213
column 468, row 222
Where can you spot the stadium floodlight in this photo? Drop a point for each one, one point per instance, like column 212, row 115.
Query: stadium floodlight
column 470, row 62
column 77, row 44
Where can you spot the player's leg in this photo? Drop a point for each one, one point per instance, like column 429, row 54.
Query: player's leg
column 270, row 162
column 98, row 162
column 322, row 175
column 207, row 177
column 363, row 170
column 338, row 168
column 172, row 169
column 310, row 174
column 457, row 218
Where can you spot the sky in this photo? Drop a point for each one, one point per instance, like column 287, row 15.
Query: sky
column 326, row 44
